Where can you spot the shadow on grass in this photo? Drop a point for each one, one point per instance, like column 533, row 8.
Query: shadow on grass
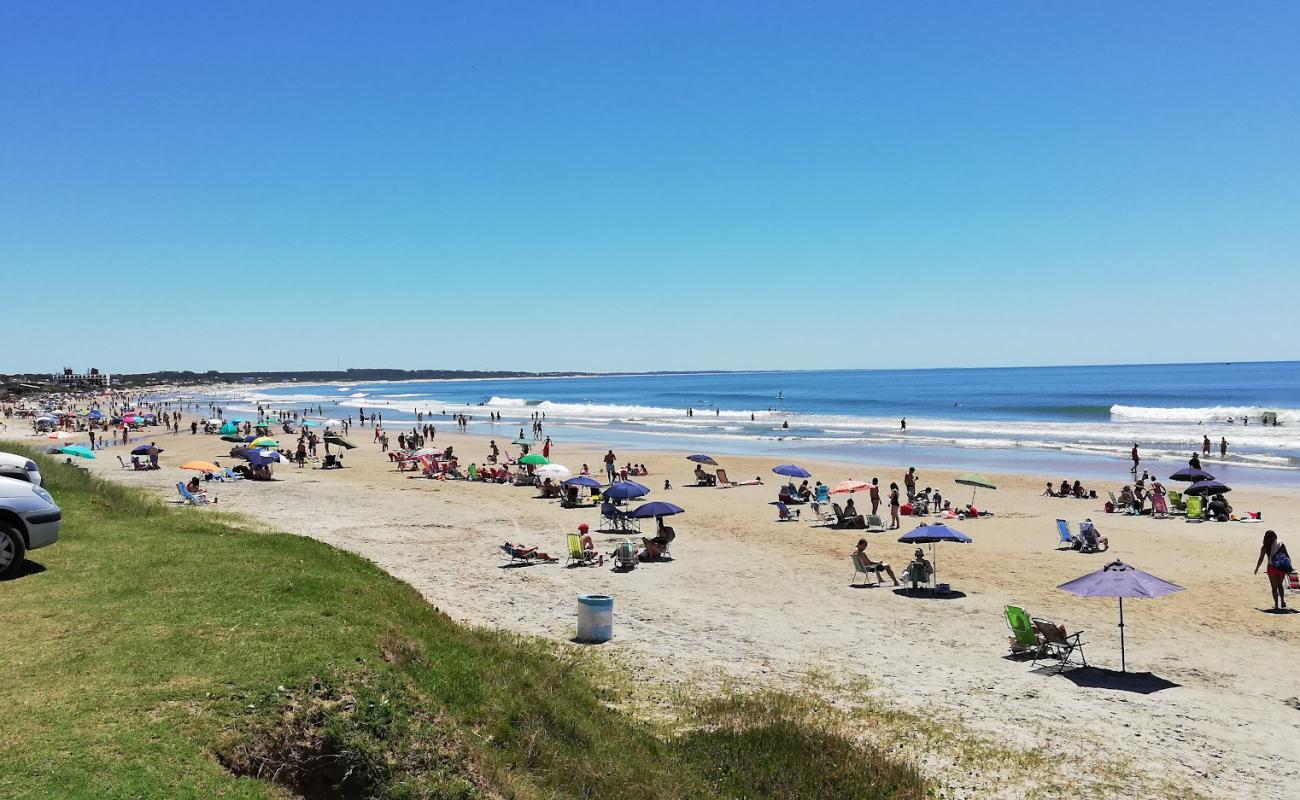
column 25, row 569
column 1098, row 678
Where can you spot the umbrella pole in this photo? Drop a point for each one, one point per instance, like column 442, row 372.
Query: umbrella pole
column 1123, row 666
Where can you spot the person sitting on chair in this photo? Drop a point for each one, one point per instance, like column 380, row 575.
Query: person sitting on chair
column 704, row 478
column 920, row 569
column 1089, row 531
column 873, row 566
column 658, row 546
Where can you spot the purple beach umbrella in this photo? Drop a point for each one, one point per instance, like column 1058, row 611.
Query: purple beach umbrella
column 1120, row 580
column 1207, row 488
column 1190, row 475
column 700, row 458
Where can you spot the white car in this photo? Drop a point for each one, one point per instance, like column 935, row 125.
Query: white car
column 19, row 467
column 29, row 519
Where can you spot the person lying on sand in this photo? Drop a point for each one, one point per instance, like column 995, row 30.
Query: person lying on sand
column 519, row 551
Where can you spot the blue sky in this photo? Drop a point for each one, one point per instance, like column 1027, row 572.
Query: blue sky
column 715, row 186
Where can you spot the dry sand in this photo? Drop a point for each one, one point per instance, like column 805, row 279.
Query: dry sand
column 765, row 603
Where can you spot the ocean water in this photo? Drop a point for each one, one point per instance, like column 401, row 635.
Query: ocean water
column 1063, row 421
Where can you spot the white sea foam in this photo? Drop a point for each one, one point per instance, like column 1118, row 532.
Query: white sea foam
column 1205, row 414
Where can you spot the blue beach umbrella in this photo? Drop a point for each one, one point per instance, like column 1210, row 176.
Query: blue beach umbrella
column 262, row 458
column 655, row 509
column 929, row 534
column 583, row 480
column 792, row 471
column 143, row 450
column 625, row 490
column 700, row 458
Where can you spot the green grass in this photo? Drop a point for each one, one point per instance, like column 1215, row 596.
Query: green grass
column 169, row 652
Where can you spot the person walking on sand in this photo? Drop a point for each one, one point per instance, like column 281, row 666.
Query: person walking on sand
column 546, row 448
column 894, row 521
column 1223, row 447
column 1279, row 564
column 1136, row 460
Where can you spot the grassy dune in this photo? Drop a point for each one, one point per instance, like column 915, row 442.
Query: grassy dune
column 167, row 652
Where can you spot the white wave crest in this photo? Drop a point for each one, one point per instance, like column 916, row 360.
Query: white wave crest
column 1204, row 414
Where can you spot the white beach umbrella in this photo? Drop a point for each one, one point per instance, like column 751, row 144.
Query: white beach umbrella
column 556, row 472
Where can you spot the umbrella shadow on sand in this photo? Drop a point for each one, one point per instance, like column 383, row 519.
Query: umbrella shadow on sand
column 1098, row 678
column 1287, row 610
column 926, row 594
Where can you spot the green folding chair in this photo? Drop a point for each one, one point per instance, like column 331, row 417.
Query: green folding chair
column 1024, row 637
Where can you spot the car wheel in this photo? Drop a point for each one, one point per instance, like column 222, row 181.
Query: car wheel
column 12, row 552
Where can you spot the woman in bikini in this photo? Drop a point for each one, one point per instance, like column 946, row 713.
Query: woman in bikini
column 1279, row 564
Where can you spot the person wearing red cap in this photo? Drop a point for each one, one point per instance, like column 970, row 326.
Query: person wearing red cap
column 588, row 546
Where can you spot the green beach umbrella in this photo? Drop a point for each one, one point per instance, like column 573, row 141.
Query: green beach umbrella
column 341, row 442
column 77, row 450
column 264, row 441
column 535, row 459
column 229, row 427
column 976, row 480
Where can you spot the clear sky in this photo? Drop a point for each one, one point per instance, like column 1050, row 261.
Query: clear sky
column 651, row 185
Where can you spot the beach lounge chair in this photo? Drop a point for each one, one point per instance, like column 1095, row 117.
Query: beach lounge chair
column 625, row 558
column 1176, row 502
column 192, row 499
column 784, row 514
column 1293, row 581
column 123, row 463
column 842, row 521
column 576, row 554
column 1067, row 539
column 513, row 557
column 1195, row 509
column 1024, row 638
column 1116, row 506
column 1089, row 539
column 723, row 481
column 1159, row 510
column 861, row 567
column 332, row 461
column 615, row 520
column 823, row 514
column 823, row 494
column 914, row 578
column 1058, row 645
column 231, row 476
column 875, row 524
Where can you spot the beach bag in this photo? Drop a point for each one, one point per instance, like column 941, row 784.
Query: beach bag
column 906, row 510
column 1110, row 507
column 1281, row 561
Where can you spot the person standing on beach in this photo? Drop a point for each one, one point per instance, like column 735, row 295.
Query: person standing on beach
column 1223, row 447
column 546, row 448
column 909, row 482
column 1279, row 564
column 1136, row 460
column 1205, row 446
column 894, row 521
column 610, row 459
column 875, row 496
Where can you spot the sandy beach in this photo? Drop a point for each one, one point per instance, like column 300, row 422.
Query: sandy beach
column 1213, row 711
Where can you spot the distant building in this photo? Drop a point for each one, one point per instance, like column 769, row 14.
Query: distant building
column 91, row 379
